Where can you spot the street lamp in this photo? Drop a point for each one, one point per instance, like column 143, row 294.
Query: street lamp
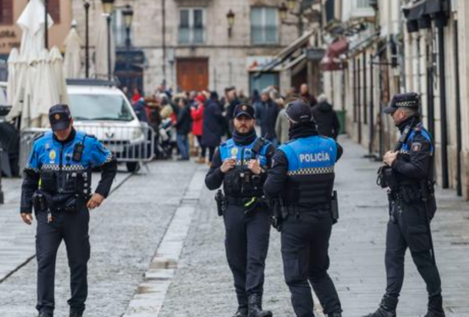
column 231, row 20
column 283, row 12
column 87, row 38
column 108, row 9
column 46, row 24
column 128, row 14
column 291, row 4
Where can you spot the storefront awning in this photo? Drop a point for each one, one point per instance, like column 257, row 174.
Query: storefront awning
column 338, row 48
column 287, row 52
column 420, row 14
column 329, row 64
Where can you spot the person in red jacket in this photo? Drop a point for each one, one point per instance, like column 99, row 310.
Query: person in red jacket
column 197, row 113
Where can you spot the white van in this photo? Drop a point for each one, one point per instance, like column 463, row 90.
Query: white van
column 101, row 109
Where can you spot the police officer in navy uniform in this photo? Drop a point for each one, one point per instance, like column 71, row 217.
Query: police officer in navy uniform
column 412, row 205
column 302, row 176
column 241, row 164
column 57, row 184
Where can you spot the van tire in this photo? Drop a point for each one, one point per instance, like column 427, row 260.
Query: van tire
column 133, row 167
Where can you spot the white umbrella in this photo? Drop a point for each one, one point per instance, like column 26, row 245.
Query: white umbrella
column 17, row 96
column 72, row 61
column 31, row 22
column 42, row 91
column 12, row 74
column 101, row 57
column 57, row 66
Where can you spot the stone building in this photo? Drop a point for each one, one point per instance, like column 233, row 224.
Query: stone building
column 190, row 44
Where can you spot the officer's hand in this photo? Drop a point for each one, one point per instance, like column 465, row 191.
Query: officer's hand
column 255, row 167
column 227, row 165
column 95, row 201
column 27, row 218
column 390, row 157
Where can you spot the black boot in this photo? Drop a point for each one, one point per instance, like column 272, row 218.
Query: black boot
column 241, row 312
column 334, row 315
column 387, row 308
column 255, row 307
column 435, row 307
column 75, row 314
column 46, row 314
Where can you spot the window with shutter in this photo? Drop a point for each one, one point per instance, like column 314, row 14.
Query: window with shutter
column 6, row 12
column 54, row 10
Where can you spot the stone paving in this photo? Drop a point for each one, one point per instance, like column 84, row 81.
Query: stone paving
column 125, row 233
column 203, row 282
column 128, row 229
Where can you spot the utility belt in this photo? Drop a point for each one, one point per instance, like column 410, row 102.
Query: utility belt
column 251, row 204
column 282, row 211
column 44, row 202
column 243, row 182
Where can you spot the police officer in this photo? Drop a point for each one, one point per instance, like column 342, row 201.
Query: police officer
column 240, row 164
column 408, row 173
column 57, row 183
column 302, row 176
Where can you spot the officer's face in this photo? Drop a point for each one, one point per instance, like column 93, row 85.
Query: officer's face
column 62, row 135
column 244, row 124
column 399, row 116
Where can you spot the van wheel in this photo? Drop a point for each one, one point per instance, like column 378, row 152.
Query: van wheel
column 133, row 166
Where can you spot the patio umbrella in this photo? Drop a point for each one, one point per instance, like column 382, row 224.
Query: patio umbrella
column 41, row 91
column 58, row 74
column 31, row 22
column 101, row 54
column 12, row 74
column 17, row 95
column 72, row 61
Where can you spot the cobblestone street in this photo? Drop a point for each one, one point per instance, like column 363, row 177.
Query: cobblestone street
column 126, row 233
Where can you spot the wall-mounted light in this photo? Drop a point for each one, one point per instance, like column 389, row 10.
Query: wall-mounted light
column 231, row 20
column 283, row 12
column 108, row 6
column 291, row 4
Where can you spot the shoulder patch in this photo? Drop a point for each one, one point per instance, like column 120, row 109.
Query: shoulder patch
column 92, row 136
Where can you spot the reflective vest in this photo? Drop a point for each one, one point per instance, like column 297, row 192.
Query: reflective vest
column 311, row 175
column 240, row 181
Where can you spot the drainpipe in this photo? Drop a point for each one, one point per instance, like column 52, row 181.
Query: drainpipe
column 359, row 103
column 458, row 111
column 443, row 125
column 163, row 36
column 372, row 108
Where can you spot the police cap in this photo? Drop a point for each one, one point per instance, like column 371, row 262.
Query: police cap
column 409, row 100
column 59, row 117
column 299, row 111
column 244, row 110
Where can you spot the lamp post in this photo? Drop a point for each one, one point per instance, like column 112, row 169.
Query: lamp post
column 128, row 14
column 108, row 9
column 289, row 7
column 87, row 38
column 46, row 24
column 231, row 20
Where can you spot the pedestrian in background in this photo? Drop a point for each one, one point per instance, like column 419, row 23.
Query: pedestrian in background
column 183, row 128
column 57, row 183
column 326, row 118
column 242, row 97
column 213, row 124
column 232, row 103
column 197, row 113
column 304, row 93
column 255, row 97
column 266, row 114
column 141, row 110
column 304, row 185
column 136, row 96
column 282, row 125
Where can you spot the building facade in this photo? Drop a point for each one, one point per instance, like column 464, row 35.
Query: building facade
column 190, row 45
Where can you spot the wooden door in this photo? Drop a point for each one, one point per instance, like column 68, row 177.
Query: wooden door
column 192, row 74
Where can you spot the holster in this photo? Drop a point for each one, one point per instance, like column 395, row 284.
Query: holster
column 221, row 202
column 39, row 202
column 279, row 212
column 335, row 207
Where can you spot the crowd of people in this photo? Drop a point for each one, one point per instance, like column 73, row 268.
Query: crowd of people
column 195, row 123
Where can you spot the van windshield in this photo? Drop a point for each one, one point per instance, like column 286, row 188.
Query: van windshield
column 99, row 107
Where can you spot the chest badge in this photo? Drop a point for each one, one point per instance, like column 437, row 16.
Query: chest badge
column 234, row 152
column 416, row 146
column 52, row 155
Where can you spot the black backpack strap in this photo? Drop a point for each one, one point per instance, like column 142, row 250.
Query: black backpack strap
column 257, row 147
